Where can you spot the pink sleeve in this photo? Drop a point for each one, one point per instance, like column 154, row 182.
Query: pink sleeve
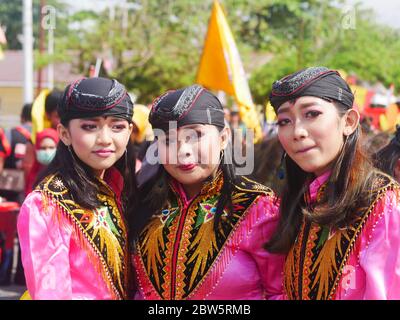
column 380, row 258
column 270, row 265
column 45, row 250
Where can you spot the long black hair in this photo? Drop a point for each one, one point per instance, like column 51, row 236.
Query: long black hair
column 348, row 190
column 386, row 158
column 81, row 182
column 155, row 193
column 267, row 159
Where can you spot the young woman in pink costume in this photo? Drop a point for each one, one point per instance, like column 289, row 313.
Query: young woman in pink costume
column 72, row 227
column 340, row 217
column 203, row 226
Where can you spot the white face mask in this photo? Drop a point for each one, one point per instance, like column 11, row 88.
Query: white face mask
column 45, row 156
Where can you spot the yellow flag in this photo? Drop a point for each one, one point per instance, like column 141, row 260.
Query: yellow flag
column 391, row 117
column 221, row 68
column 39, row 118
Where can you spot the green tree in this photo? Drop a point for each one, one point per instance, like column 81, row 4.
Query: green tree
column 158, row 49
column 323, row 37
column 156, row 45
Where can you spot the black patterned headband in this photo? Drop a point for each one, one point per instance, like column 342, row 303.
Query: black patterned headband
column 191, row 105
column 92, row 97
column 315, row 81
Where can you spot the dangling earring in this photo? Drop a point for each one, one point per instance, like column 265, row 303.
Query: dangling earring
column 70, row 151
column 75, row 163
column 126, row 162
column 221, row 156
column 281, row 168
column 338, row 164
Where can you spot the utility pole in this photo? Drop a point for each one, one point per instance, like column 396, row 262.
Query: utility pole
column 50, row 67
column 28, row 51
column 41, row 45
column 49, row 23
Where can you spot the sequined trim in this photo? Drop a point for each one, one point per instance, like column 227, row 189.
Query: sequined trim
column 102, row 232
column 188, row 248
column 313, row 271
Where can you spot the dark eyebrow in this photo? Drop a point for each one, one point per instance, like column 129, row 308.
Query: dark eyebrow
column 97, row 119
column 118, row 120
column 194, row 126
column 302, row 106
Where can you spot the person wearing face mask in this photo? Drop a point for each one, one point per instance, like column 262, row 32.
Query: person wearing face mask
column 340, row 217
column 201, row 226
column 45, row 150
column 45, row 156
column 44, row 115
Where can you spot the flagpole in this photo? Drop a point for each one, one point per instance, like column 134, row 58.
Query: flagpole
column 41, row 46
column 221, row 68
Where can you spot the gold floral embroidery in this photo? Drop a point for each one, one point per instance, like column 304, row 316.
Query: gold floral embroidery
column 102, row 232
column 152, row 248
column 188, row 246
column 322, row 266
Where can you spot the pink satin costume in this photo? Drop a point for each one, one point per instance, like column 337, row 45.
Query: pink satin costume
column 361, row 262
column 180, row 256
column 72, row 253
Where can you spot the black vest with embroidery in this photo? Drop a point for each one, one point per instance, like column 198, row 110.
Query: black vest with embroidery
column 179, row 246
column 101, row 232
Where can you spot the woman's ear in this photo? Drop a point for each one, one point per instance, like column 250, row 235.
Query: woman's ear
column 352, row 119
column 63, row 134
column 225, row 136
column 130, row 133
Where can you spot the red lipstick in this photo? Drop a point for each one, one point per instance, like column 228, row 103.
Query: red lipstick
column 187, row 167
